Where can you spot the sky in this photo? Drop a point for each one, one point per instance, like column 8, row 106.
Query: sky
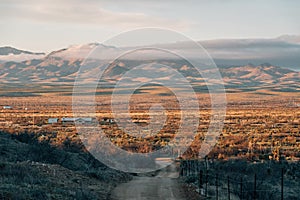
column 47, row 25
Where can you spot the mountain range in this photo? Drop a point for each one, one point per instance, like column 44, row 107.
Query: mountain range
column 57, row 70
column 12, row 54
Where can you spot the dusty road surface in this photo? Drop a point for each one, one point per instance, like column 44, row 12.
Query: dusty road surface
column 164, row 186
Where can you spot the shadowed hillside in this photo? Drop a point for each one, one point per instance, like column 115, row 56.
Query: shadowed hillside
column 33, row 170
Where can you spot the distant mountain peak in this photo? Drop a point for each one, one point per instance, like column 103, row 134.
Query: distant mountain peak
column 89, row 45
column 8, row 54
column 78, row 50
column 7, row 50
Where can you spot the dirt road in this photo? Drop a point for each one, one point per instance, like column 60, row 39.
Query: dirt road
column 164, row 186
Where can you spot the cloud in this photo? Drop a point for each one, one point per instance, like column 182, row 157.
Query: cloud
column 20, row 57
column 281, row 51
column 82, row 12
